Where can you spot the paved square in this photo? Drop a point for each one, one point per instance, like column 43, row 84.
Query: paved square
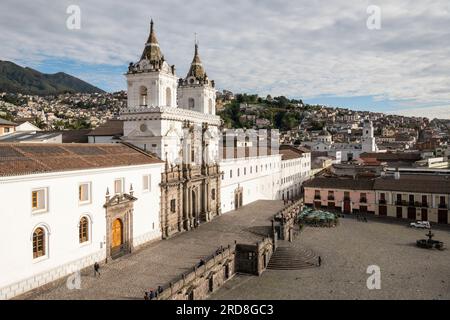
column 128, row 277
column 407, row 272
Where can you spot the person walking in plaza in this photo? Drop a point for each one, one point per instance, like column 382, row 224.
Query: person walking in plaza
column 96, row 269
column 320, row 261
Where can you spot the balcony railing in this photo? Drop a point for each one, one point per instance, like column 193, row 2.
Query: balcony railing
column 317, row 198
column 400, row 203
column 382, row 201
column 331, row 198
column 442, row 206
column 424, row 205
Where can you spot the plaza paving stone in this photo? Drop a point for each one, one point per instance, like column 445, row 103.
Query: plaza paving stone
column 407, row 272
column 129, row 276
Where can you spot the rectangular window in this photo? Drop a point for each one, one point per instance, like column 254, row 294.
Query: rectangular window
column 146, row 182
column 39, row 200
column 363, row 198
column 424, row 199
column 84, row 192
column 213, row 194
column 316, row 194
column 231, row 174
column 118, row 186
column 173, row 203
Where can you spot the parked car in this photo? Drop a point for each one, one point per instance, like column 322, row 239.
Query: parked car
column 420, row 224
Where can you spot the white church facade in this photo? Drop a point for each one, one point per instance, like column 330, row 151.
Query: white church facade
column 349, row 150
column 71, row 205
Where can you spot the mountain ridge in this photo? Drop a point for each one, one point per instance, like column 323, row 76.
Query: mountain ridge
column 25, row 80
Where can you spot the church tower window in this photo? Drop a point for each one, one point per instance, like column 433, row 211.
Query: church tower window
column 143, row 97
column 210, row 111
column 191, row 103
column 168, row 97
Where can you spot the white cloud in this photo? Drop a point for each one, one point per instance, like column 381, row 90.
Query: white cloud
column 439, row 112
column 294, row 48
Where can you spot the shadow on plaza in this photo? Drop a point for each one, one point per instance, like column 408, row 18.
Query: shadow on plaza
column 263, row 231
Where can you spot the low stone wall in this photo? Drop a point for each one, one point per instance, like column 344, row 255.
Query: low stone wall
column 203, row 279
column 286, row 219
column 213, row 272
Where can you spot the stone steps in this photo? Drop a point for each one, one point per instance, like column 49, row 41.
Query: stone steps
column 290, row 258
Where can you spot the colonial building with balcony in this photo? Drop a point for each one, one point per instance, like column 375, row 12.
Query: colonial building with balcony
column 414, row 196
column 347, row 195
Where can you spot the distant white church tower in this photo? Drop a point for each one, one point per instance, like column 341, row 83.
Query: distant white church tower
column 368, row 139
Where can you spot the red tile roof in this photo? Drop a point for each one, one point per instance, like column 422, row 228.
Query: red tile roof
column 112, row 127
column 289, row 152
column 32, row 158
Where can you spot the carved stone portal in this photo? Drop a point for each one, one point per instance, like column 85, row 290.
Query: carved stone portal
column 119, row 225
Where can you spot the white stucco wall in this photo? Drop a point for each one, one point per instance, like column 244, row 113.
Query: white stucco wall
column 293, row 173
column 19, row 272
column 257, row 185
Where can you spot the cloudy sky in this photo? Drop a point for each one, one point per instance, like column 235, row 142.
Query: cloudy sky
column 319, row 51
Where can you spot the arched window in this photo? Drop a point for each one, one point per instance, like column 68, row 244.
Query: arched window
column 210, row 106
column 191, row 103
column 83, row 230
column 168, row 97
column 143, row 97
column 38, row 243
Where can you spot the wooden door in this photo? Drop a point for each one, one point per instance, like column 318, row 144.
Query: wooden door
column 442, row 216
column 347, row 207
column 117, row 233
column 400, row 212
column 424, row 215
column 412, row 213
column 382, row 211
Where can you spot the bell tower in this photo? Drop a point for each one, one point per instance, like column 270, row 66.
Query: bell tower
column 196, row 92
column 151, row 81
column 368, row 139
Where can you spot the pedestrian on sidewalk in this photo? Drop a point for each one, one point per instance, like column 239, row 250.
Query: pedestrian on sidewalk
column 96, row 269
